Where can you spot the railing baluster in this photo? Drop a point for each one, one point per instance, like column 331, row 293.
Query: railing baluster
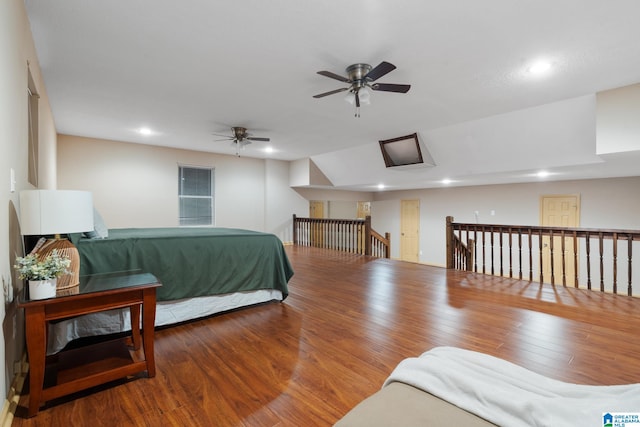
column 331, row 234
column 492, row 261
column 601, row 246
column 510, row 256
column 601, row 240
column 530, row 255
column 501, row 262
column 540, row 244
column 350, row 234
column 588, row 249
column 475, row 248
column 323, row 234
column 352, row 242
column 551, row 260
column 630, row 245
column 564, row 269
column 615, row 263
column 575, row 259
column 519, row 254
column 484, row 245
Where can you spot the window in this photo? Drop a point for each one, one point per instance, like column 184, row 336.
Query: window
column 195, row 194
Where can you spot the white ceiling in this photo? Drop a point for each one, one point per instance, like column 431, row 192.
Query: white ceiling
column 187, row 69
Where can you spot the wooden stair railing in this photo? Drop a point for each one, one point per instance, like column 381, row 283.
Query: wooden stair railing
column 349, row 235
column 562, row 255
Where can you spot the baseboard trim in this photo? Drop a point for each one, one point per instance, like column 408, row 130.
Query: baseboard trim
column 13, row 397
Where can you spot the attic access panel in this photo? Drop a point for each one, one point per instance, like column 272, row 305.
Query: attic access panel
column 402, row 151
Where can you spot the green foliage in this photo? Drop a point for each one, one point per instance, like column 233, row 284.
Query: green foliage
column 52, row 266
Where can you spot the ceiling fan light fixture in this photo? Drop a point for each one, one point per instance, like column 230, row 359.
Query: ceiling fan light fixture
column 350, row 97
column 360, row 78
column 365, row 96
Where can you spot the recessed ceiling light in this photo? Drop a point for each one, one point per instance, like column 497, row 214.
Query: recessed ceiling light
column 144, row 131
column 380, row 186
column 268, row 149
column 542, row 174
column 539, row 67
column 446, row 181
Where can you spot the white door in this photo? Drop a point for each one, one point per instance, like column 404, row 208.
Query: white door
column 559, row 211
column 409, row 230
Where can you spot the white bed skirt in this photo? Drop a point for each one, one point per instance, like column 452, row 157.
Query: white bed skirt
column 167, row 313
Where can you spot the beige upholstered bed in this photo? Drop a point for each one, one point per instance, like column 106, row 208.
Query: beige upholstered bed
column 448, row 386
column 400, row 404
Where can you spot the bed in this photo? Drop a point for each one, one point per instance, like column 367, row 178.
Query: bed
column 449, row 386
column 203, row 271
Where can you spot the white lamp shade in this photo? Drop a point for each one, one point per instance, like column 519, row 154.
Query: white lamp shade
column 365, row 96
column 350, row 97
column 45, row 212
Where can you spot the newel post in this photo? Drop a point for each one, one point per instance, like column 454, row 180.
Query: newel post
column 295, row 230
column 450, row 248
column 367, row 235
column 387, row 248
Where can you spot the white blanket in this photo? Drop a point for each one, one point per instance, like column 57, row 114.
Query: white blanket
column 509, row 395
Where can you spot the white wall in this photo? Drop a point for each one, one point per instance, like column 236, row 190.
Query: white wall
column 136, row 185
column 281, row 202
column 16, row 51
column 617, row 124
column 338, row 209
column 299, row 172
column 605, row 203
column 333, row 195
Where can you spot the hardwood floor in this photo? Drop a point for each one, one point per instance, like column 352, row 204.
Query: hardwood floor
column 348, row 321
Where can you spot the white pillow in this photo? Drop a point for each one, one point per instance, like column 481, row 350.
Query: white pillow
column 100, row 230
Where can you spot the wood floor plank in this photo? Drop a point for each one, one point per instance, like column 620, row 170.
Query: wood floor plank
column 348, row 321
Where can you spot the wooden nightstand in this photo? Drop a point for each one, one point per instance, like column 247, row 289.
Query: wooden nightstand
column 85, row 367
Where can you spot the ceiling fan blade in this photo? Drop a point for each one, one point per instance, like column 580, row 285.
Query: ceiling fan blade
column 334, row 76
column 255, row 138
column 382, row 69
column 322, row 95
column 224, row 139
column 389, row 87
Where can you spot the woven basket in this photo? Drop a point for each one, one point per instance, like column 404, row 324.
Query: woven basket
column 67, row 249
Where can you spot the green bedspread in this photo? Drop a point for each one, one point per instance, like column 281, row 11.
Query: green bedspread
column 191, row 262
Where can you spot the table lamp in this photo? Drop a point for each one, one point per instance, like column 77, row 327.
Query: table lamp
column 56, row 212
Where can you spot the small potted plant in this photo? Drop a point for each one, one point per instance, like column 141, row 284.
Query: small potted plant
column 42, row 274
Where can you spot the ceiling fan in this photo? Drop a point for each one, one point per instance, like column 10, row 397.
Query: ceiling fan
column 360, row 77
column 240, row 138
